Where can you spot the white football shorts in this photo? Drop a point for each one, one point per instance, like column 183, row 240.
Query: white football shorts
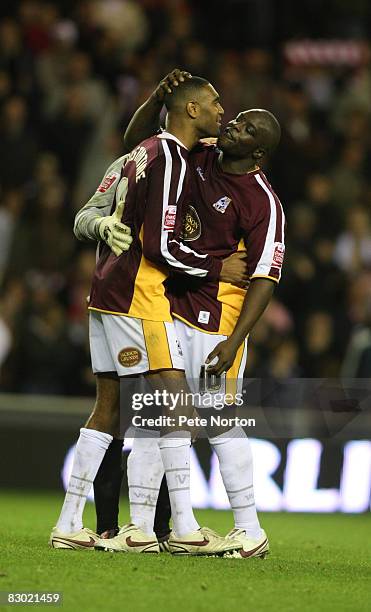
column 128, row 346
column 196, row 346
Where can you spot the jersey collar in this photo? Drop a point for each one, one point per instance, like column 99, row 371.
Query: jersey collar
column 168, row 136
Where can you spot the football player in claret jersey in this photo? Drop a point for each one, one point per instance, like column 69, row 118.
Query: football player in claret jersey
column 233, row 207
column 236, row 209
column 132, row 331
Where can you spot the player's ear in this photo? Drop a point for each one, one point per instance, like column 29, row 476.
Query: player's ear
column 258, row 153
column 192, row 109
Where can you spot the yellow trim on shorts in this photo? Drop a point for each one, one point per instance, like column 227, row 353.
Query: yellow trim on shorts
column 231, row 378
column 157, row 344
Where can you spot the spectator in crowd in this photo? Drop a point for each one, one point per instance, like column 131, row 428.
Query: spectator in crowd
column 18, row 143
column 353, row 246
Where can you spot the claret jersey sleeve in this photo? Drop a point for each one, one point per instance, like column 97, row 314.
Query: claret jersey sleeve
column 262, row 226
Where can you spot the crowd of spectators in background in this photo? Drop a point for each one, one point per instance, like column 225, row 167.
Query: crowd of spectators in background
column 72, row 74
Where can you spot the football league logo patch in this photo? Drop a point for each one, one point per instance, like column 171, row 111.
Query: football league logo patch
column 169, row 218
column 279, row 252
column 108, row 181
column 222, row 204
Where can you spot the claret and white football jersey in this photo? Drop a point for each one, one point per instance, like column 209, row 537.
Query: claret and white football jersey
column 158, row 192
column 228, row 213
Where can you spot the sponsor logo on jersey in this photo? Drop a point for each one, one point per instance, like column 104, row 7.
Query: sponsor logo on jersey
column 169, row 218
column 200, row 173
column 108, row 181
column 140, row 158
column 129, row 357
column 222, row 204
column 203, row 316
column 191, row 225
column 279, row 252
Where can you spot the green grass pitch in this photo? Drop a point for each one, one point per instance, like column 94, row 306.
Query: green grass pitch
column 318, row 562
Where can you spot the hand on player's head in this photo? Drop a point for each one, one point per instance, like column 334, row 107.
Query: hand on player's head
column 169, row 82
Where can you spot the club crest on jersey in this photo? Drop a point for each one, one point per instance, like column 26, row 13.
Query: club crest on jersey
column 222, row 204
column 169, row 218
column 191, row 225
column 108, row 181
column 140, row 158
column 278, row 254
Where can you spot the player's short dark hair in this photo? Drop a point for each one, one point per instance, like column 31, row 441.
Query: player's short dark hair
column 274, row 130
column 185, row 92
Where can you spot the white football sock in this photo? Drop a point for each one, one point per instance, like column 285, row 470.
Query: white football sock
column 175, row 452
column 236, row 467
column 90, row 450
column 145, row 472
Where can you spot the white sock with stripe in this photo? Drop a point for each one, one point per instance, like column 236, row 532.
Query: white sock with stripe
column 175, row 452
column 236, row 467
column 90, row 450
column 145, row 473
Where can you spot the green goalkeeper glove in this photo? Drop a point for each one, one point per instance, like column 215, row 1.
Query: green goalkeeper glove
column 114, row 233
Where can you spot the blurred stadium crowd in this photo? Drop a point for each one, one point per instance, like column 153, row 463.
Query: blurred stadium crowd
column 72, row 74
